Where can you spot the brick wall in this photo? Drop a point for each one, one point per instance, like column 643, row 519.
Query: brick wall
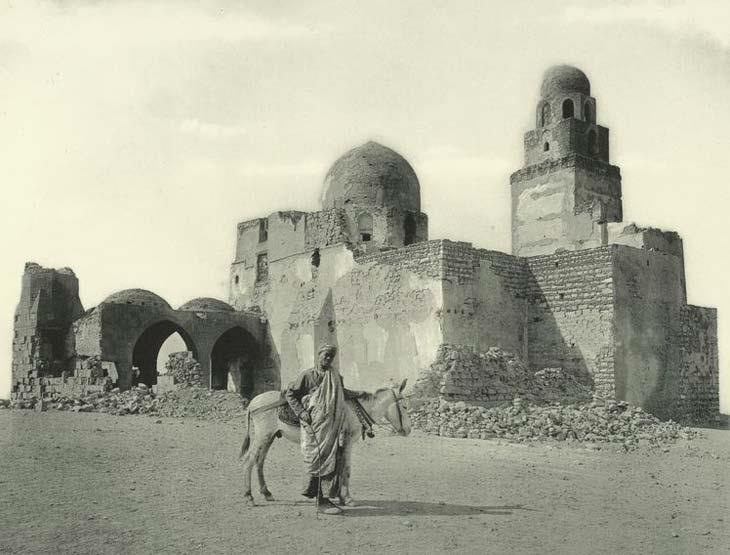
column 570, row 315
column 698, row 373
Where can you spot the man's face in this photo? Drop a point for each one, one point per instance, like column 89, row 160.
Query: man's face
column 325, row 359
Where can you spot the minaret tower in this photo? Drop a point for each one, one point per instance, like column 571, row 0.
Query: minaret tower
column 567, row 191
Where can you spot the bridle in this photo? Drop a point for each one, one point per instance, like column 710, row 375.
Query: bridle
column 397, row 399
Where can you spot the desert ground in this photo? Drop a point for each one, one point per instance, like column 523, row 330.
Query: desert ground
column 95, row 483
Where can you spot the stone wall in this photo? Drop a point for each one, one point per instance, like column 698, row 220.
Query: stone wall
column 570, row 315
column 649, row 296
column 698, row 391
column 484, row 301
column 562, row 204
column 461, row 373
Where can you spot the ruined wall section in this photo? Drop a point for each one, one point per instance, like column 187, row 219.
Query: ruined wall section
column 462, row 373
column 570, row 300
column 42, row 342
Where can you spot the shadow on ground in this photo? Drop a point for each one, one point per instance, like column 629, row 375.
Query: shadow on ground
column 419, row 508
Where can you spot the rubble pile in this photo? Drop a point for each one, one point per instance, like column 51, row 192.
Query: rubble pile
column 599, row 421
column 459, row 373
column 185, row 401
column 184, row 369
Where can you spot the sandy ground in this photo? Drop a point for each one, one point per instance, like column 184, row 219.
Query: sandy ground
column 93, row 483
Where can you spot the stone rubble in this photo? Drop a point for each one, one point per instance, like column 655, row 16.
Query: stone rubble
column 598, row 421
column 183, row 402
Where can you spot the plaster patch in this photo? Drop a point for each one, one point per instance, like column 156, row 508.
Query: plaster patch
column 532, row 207
column 428, row 336
column 376, row 339
column 305, row 350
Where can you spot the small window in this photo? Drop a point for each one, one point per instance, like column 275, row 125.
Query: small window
column 263, row 230
column 262, row 267
column 546, row 147
column 365, row 227
column 315, row 258
column 568, row 108
column 236, row 280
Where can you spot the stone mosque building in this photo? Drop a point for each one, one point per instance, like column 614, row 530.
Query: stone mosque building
column 581, row 291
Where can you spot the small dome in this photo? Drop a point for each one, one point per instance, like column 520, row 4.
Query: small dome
column 562, row 79
column 372, row 175
column 139, row 297
column 206, row 304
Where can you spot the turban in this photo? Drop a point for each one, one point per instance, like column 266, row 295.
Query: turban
column 327, row 349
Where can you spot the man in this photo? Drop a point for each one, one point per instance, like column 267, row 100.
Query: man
column 317, row 397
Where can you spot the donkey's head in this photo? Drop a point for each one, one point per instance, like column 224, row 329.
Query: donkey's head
column 395, row 409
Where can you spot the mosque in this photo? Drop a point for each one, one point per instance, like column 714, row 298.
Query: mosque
column 603, row 300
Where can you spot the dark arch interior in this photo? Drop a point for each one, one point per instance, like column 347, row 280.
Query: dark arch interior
column 148, row 346
column 568, row 108
column 235, row 354
column 409, row 230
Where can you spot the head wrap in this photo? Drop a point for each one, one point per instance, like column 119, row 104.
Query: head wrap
column 326, row 348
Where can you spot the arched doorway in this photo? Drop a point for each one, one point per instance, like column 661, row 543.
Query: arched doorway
column 233, row 361
column 147, row 347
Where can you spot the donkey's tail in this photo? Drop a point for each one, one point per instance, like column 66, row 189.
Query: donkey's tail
column 246, row 437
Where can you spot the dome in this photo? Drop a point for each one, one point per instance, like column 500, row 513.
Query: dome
column 206, row 304
column 139, row 297
column 372, row 175
column 562, row 79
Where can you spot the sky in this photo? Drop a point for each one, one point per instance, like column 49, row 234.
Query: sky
column 135, row 135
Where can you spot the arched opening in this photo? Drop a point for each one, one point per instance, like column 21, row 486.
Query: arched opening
column 587, row 115
column 568, row 108
column 409, row 230
column 592, row 142
column 546, row 146
column 545, row 115
column 145, row 355
column 173, row 344
column 233, row 360
column 365, row 227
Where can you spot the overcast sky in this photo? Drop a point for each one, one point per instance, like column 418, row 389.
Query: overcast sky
column 134, row 135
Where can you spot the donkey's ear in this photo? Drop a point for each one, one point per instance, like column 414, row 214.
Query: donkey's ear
column 402, row 386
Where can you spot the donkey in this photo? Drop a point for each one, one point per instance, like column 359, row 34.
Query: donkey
column 384, row 404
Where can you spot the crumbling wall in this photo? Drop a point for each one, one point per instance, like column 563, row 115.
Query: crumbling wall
column 326, row 228
column 461, row 373
column 570, row 315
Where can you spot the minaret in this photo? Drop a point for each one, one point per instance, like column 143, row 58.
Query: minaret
column 567, row 191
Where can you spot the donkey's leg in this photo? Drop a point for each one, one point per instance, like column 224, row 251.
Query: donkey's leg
column 248, row 463
column 260, row 460
column 345, row 495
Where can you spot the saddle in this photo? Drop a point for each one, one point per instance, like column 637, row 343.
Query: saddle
column 287, row 416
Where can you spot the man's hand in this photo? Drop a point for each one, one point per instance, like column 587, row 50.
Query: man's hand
column 305, row 417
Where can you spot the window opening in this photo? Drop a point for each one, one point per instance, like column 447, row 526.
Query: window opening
column 568, row 108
